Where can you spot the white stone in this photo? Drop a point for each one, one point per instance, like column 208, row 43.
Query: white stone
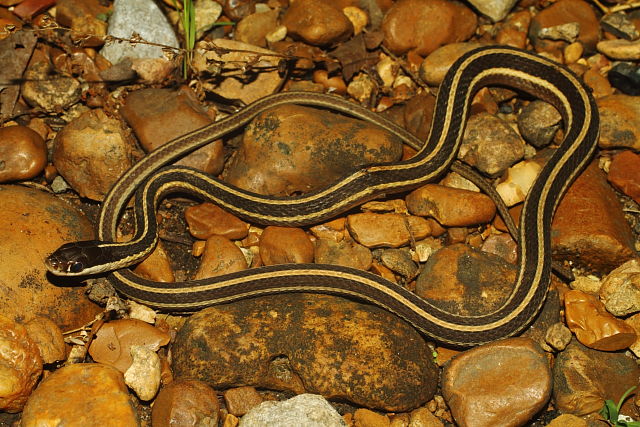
column 304, row 410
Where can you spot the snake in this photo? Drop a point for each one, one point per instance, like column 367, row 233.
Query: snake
column 150, row 180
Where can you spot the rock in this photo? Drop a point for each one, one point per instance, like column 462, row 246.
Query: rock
column 584, row 378
column 503, row 383
column 305, row 410
column 241, row 400
column 620, row 290
column 496, row 10
column 308, row 343
column 283, row 245
column 156, row 266
column 558, row 336
column 23, row 153
column 227, row 59
column 157, row 116
column 502, row 245
column 451, row 207
column 623, row 50
column 91, row 153
column 254, row 28
column 143, row 376
column 562, row 13
column 146, row 19
column 422, row 26
column 206, row 220
column 593, row 325
column 538, row 123
column 598, row 83
column 185, row 402
column 399, row 261
column 624, row 174
column 366, row 417
column 519, row 179
column 435, row 66
column 220, row 256
column 386, row 230
column 292, row 149
column 620, row 24
column 48, row 337
column 48, row 94
column 68, row 10
column 317, row 23
column 33, row 224
column 82, row 394
column 345, row 252
column 21, row 365
column 568, row 420
column 619, row 122
column 465, row 281
column 238, row 9
column 513, row 31
column 599, row 241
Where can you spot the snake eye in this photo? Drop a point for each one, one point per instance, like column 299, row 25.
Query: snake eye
column 76, row 267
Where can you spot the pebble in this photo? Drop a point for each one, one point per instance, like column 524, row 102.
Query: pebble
column 624, row 173
column 39, row 90
column 283, row 245
column 305, row 410
column 143, row 376
column 435, row 66
column 422, row 26
column 375, row 230
column 207, row 13
column 502, row 383
column 81, row 394
column 490, row 144
column 48, row 337
column 502, row 245
column 417, row 115
column 241, row 400
column 91, row 153
column 296, row 343
column 146, row 19
column 345, row 252
column 625, row 77
column 238, row 9
column 600, row 241
column 317, row 23
column 159, row 115
column 622, row 50
column 519, row 179
column 23, row 153
column 558, row 336
column 620, row 24
column 594, row 327
column 333, row 230
column 21, row 365
column 584, row 378
column 451, row 207
column 221, row 256
column 513, row 31
column 156, row 266
column 561, row 13
column 185, row 403
column 253, row 29
column 538, row 123
column 619, row 122
column 223, row 56
column 293, row 149
column 598, row 83
column 496, row 10
column 620, row 290
column 465, row 281
column 365, row 417
column 34, row 224
column 207, row 220
column 114, row 340
column 399, row 261
column 568, row 420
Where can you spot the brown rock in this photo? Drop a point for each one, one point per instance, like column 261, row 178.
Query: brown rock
column 399, row 261
column 386, row 230
column 568, row 420
column 365, row 417
column 514, row 29
column 240, row 400
column 81, row 394
column 220, row 256
column 584, row 378
column 282, row 245
column 503, row 383
column 565, row 12
column 620, row 290
column 593, row 325
column 21, row 365
column 317, row 23
column 333, row 230
column 48, row 94
column 435, row 66
column 424, row 25
column 451, row 207
column 598, row 83
column 309, row 343
column 345, row 252
column 465, row 281
column 417, row 113
column 589, row 227
column 619, row 122
column 23, row 153
column 185, row 403
column 253, row 28
column 33, row 224
column 91, row 152
column 68, row 10
column 538, row 123
column 238, row 9
column 48, row 337
column 113, row 341
column 206, row 220
column 624, row 174
column 292, row 149
column 502, row 245
column 157, row 116
column 156, row 266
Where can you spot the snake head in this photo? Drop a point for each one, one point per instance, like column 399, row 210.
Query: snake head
column 76, row 259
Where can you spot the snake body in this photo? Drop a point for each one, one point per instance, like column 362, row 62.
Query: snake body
column 535, row 75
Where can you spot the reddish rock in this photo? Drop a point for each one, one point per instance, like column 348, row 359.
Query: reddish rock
column 185, row 403
column 624, row 174
column 220, row 256
column 317, row 23
column 23, row 153
column 283, row 245
column 207, row 220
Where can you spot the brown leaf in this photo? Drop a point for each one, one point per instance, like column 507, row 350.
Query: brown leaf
column 15, row 52
column 353, row 56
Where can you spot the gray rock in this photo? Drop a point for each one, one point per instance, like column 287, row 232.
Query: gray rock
column 144, row 18
column 305, row 410
column 494, row 9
